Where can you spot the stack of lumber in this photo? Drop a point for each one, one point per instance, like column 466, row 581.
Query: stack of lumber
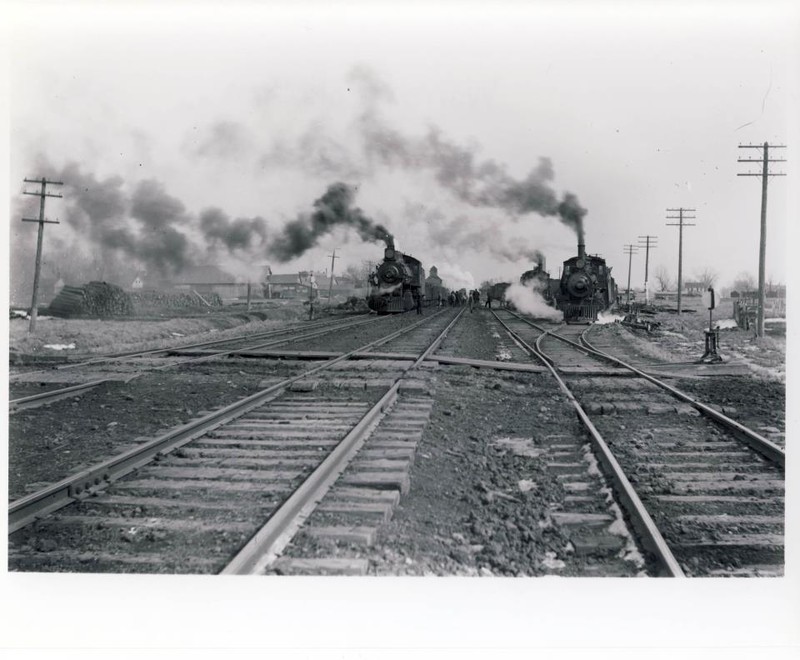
column 95, row 299
column 148, row 300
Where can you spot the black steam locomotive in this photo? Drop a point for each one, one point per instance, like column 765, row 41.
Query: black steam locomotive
column 396, row 282
column 539, row 279
column 586, row 287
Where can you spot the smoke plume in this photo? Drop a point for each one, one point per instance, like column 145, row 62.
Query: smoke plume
column 457, row 168
column 334, row 209
column 147, row 227
column 238, row 234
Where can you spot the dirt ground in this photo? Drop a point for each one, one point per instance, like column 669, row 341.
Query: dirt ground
column 469, row 511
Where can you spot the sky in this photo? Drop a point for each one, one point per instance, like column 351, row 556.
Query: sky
column 199, row 135
column 199, row 132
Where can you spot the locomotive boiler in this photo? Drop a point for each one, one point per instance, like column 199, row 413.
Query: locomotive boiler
column 586, row 287
column 396, row 282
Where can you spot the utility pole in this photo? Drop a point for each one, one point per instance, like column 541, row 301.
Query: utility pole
column 680, row 224
column 630, row 250
column 649, row 243
column 330, row 284
column 41, row 194
column 762, row 250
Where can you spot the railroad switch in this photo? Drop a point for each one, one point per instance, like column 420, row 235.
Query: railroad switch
column 712, row 342
column 712, row 334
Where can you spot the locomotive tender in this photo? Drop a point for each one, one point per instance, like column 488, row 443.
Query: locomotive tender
column 396, row 282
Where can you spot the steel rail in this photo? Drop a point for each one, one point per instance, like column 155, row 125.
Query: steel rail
column 78, row 486
column 115, row 356
column 757, row 442
column 268, row 542
column 215, row 342
column 640, row 518
column 747, row 436
column 53, row 395
column 752, row 439
column 25, row 401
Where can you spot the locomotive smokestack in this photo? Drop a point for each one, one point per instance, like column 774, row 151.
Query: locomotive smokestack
column 389, row 241
column 581, row 250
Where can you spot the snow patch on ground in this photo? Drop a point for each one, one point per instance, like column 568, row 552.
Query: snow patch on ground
column 59, row 347
column 551, row 562
column 604, row 319
column 519, row 446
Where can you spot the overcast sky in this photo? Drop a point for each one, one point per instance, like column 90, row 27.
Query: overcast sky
column 256, row 111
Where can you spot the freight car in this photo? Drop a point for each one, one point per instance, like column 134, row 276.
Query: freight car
column 498, row 293
column 586, row 287
column 396, row 282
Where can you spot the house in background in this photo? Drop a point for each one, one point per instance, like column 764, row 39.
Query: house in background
column 694, row 288
column 293, row 285
column 138, row 281
column 209, row 279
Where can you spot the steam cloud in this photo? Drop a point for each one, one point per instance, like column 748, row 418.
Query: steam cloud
column 335, row 208
column 529, row 300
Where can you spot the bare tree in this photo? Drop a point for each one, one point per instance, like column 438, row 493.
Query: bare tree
column 707, row 277
column 359, row 273
column 663, row 279
column 745, row 282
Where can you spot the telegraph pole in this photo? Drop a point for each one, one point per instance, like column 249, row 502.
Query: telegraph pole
column 630, row 250
column 41, row 194
column 649, row 243
column 680, row 224
column 330, row 283
column 765, row 174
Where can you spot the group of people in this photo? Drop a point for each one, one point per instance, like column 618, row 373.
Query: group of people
column 475, row 299
column 461, row 298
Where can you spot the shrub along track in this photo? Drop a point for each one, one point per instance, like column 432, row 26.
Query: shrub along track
column 200, row 491
column 712, row 489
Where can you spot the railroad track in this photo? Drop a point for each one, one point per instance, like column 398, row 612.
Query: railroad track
column 128, row 366
column 704, row 493
column 195, row 499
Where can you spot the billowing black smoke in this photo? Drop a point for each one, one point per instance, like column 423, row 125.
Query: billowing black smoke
column 334, row 209
column 241, row 233
column 147, row 226
column 479, row 183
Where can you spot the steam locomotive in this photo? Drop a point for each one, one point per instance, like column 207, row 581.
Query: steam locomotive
column 396, row 282
column 586, row 287
column 539, row 279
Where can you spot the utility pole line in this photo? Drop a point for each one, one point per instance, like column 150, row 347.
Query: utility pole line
column 630, row 250
column 41, row 194
column 330, row 283
column 680, row 224
column 762, row 250
column 649, row 243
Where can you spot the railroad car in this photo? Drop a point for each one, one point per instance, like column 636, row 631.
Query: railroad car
column 586, row 287
column 498, row 293
column 396, row 282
